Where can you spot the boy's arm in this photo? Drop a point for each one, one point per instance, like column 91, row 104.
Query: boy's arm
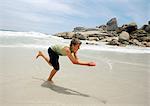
column 74, row 59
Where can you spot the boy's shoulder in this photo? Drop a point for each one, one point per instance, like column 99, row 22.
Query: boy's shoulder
column 67, row 49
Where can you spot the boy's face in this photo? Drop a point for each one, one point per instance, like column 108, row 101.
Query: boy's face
column 76, row 47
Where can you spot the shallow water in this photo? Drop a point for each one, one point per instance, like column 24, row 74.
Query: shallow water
column 40, row 40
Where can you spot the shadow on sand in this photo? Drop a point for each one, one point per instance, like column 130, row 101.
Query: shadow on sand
column 67, row 91
column 62, row 90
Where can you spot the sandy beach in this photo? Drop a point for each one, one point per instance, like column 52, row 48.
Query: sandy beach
column 119, row 79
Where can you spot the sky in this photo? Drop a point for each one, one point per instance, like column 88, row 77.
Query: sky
column 53, row 16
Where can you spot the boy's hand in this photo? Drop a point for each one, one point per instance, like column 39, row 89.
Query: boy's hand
column 92, row 64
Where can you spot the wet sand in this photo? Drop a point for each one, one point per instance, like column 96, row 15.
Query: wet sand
column 119, row 79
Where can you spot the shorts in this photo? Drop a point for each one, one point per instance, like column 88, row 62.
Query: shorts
column 53, row 59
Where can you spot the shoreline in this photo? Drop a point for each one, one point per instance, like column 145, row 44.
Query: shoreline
column 96, row 48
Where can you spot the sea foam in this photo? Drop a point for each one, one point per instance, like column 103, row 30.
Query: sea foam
column 40, row 40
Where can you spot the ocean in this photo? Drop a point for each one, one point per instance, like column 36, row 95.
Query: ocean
column 41, row 40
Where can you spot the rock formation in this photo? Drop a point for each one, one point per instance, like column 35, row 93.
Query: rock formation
column 127, row 34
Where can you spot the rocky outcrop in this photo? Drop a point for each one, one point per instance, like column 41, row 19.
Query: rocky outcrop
column 127, row 34
column 146, row 27
column 65, row 35
column 112, row 24
column 79, row 29
column 130, row 27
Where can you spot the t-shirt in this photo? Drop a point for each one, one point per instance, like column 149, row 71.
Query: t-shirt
column 59, row 49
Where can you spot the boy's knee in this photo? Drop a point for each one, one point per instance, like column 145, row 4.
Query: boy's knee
column 56, row 68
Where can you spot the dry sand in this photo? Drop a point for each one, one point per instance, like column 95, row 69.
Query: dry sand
column 119, row 79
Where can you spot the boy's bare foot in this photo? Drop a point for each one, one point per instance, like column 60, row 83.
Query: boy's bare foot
column 50, row 81
column 39, row 54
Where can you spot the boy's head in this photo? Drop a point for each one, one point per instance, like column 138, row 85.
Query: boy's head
column 75, row 41
column 75, row 45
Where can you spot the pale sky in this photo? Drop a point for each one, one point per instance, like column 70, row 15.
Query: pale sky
column 52, row 16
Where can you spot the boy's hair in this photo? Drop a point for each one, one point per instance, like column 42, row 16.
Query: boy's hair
column 75, row 41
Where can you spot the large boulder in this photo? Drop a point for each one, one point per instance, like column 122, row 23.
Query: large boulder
column 92, row 29
column 146, row 28
column 119, row 30
column 93, row 39
column 112, row 24
column 147, row 39
column 65, row 35
column 79, row 29
column 148, row 44
column 79, row 36
column 114, row 42
column 140, row 35
column 130, row 27
column 136, row 42
column 103, row 27
column 124, row 36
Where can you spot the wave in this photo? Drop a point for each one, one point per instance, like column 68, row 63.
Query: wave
column 40, row 40
column 24, row 34
column 129, row 49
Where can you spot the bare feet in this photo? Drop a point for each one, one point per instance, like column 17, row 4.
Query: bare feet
column 50, row 81
column 39, row 54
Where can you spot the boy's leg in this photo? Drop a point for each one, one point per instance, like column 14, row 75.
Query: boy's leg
column 53, row 72
column 44, row 56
